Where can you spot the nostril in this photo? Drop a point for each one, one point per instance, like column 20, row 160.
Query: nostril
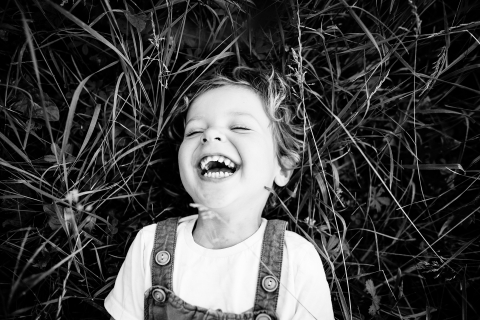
column 210, row 135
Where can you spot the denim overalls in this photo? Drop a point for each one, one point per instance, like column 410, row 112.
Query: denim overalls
column 162, row 304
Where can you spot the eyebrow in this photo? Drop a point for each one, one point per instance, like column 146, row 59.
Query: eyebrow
column 236, row 113
column 193, row 119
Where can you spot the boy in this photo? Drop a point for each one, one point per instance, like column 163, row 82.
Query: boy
column 227, row 262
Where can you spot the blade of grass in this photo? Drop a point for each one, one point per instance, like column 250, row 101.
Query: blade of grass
column 14, row 147
column 362, row 25
column 73, row 106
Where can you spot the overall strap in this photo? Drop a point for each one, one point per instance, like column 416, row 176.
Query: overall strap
column 163, row 253
column 270, row 269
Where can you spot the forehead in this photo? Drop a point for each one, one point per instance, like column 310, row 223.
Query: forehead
column 233, row 100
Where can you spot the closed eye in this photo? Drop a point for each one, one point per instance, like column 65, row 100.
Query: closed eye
column 191, row 133
column 240, row 128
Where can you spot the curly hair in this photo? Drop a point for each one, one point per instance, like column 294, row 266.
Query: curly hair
column 274, row 92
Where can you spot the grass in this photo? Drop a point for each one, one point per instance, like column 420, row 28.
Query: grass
column 387, row 189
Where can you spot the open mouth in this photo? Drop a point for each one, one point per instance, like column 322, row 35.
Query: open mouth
column 217, row 167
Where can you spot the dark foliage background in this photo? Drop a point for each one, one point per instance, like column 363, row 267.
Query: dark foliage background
column 387, row 191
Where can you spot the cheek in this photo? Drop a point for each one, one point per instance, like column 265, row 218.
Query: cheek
column 263, row 156
column 183, row 157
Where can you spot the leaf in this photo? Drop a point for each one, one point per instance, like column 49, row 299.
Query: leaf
column 56, row 219
column 445, row 225
column 68, row 148
column 322, row 186
column 376, row 201
column 70, row 216
column 137, row 20
column 85, row 49
column 373, row 310
column 52, row 111
column 42, row 260
column 51, row 108
column 333, row 244
column 90, row 222
column 24, row 103
column 56, row 150
column 370, row 288
column 50, row 158
column 3, row 35
column 113, row 226
column 53, row 218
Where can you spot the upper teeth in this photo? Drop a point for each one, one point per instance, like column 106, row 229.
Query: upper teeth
column 203, row 164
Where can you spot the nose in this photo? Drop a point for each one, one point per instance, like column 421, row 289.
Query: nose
column 212, row 134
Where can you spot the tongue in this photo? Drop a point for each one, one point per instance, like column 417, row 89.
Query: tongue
column 215, row 166
column 220, row 170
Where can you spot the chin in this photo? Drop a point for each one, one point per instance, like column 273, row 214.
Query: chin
column 214, row 202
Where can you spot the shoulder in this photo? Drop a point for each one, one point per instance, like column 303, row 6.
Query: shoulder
column 188, row 218
column 292, row 240
column 295, row 242
column 147, row 233
column 300, row 252
column 297, row 248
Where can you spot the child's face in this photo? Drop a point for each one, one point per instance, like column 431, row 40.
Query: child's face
column 229, row 122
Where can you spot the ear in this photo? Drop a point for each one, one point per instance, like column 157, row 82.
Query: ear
column 284, row 171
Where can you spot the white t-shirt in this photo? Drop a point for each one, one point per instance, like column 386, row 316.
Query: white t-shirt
column 223, row 279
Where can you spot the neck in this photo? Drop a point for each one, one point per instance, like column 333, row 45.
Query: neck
column 219, row 229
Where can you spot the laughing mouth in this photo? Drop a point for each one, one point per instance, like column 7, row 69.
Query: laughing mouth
column 217, row 167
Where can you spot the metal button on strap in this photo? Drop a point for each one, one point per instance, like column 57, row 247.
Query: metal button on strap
column 269, row 283
column 263, row 316
column 158, row 295
column 162, row 258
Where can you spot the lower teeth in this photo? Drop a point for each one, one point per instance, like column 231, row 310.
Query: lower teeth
column 218, row 174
